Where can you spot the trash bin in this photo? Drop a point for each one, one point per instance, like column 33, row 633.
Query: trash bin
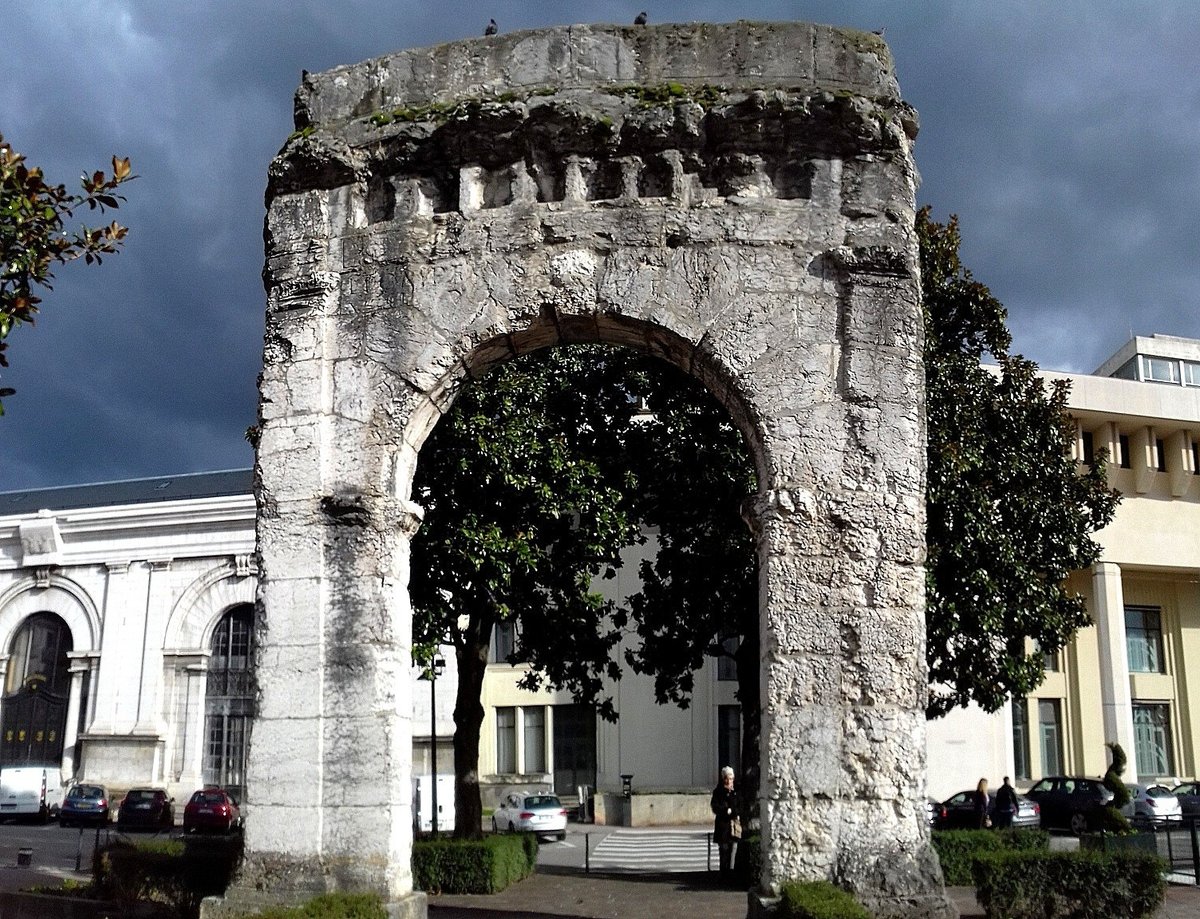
column 24, row 858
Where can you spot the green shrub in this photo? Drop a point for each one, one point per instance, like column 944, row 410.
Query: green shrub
column 1110, row 817
column 818, row 900
column 1073, row 885
column 180, row 874
column 331, row 906
column 473, row 866
column 958, row 849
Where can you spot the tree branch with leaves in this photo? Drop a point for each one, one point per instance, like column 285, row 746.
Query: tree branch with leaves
column 34, row 238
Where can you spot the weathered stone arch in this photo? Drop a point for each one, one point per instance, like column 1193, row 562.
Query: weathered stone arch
column 202, row 604
column 59, row 595
column 738, row 198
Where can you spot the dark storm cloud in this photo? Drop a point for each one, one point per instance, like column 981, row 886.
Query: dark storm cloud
column 1065, row 139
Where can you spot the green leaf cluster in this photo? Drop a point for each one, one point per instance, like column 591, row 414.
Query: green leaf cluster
column 1009, row 512
column 33, row 235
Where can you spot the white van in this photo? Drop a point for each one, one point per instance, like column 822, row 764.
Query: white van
column 29, row 791
column 423, row 803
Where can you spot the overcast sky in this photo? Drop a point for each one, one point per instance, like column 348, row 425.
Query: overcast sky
column 1066, row 136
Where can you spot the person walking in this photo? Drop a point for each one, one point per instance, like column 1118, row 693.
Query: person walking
column 727, row 825
column 982, row 804
column 1006, row 805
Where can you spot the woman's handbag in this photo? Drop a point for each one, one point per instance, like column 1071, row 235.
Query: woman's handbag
column 735, row 828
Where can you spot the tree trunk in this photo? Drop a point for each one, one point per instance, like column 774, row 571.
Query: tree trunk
column 472, row 657
column 748, row 696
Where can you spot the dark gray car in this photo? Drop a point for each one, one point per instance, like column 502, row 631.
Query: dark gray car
column 1070, row 802
column 1188, row 794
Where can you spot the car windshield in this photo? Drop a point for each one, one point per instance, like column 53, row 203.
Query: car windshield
column 1158, row 791
column 542, row 801
column 141, row 794
column 86, row 791
column 208, row 797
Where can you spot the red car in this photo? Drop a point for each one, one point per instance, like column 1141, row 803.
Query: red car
column 211, row 809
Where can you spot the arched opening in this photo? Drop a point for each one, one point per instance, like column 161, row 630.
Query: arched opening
column 663, row 475
column 229, row 700
column 36, row 692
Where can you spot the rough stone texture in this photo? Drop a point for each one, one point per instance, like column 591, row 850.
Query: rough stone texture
column 736, row 199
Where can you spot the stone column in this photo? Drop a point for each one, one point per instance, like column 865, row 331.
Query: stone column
column 1115, row 701
column 843, row 685
column 195, row 734
column 112, row 670
column 79, row 667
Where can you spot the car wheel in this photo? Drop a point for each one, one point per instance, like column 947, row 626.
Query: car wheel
column 562, row 836
column 1079, row 824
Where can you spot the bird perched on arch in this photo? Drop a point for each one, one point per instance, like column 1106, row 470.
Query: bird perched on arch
column 492, row 28
column 640, row 19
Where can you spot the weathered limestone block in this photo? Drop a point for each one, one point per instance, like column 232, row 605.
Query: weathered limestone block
column 735, row 199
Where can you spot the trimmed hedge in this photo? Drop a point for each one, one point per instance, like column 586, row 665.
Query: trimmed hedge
column 331, row 906
column 818, row 900
column 958, row 849
column 486, row 865
column 180, row 874
column 1071, row 885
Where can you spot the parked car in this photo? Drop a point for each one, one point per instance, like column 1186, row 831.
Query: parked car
column 1070, row 802
column 935, row 812
column 147, row 809
column 1188, row 794
column 959, row 811
column 84, row 804
column 531, row 812
column 1152, row 805
column 212, row 809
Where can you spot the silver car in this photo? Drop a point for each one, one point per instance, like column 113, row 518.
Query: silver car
column 531, row 812
column 1152, row 805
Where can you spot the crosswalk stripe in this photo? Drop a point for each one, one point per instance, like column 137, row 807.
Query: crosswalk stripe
column 669, row 851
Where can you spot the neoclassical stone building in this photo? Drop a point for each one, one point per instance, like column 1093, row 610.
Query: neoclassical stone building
column 126, row 612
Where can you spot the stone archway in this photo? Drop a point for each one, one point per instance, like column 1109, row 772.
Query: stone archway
column 736, row 198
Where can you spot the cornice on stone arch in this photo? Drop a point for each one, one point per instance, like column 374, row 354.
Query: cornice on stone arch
column 203, row 603
column 63, row 597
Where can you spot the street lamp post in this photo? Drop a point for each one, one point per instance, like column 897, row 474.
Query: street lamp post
column 436, row 666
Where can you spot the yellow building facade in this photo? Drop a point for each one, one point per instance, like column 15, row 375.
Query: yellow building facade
column 1133, row 676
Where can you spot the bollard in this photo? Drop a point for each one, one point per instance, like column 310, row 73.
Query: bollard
column 79, row 851
column 24, row 857
column 587, row 853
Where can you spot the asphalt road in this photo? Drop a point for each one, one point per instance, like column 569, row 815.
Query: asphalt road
column 53, row 854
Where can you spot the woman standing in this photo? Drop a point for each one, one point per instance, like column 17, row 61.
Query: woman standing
column 982, row 805
column 727, row 826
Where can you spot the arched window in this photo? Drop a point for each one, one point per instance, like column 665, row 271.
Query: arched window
column 229, row 700
column 36, row 690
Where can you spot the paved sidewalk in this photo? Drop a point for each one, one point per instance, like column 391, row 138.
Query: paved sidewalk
column 558, row 894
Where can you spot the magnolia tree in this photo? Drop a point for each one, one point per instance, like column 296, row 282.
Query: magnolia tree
column 34, row 238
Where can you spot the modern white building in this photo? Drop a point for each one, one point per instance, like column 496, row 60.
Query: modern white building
column 126, row 635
